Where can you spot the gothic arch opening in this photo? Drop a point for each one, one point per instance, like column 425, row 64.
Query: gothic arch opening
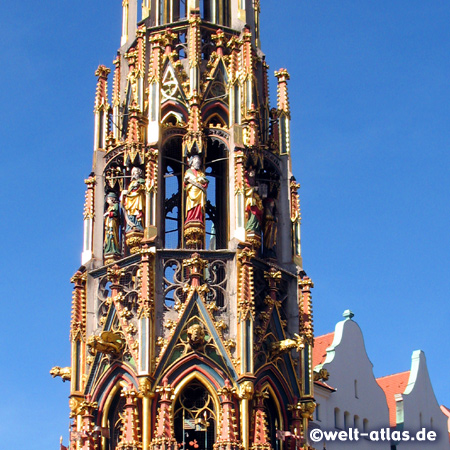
column 274, row 420
column 215, row 11
column 172, row 187
column 195, row 418
column 171, row 11
column 114, row 425
column 216, row 168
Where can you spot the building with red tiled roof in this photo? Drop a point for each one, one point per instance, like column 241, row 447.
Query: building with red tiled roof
column 413, row 405
column 393, row 385
column 356, row 400
column 402, row 401
column 321, row 343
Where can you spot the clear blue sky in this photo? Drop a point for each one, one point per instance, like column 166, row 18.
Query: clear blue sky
column 370, row 101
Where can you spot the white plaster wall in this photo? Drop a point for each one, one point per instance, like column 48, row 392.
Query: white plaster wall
column 346, row 362
column 419, row 400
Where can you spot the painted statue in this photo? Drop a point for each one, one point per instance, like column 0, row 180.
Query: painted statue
column 253, row 203
column 111, row 245
column 134, row 201
column 195, row 184
column 270, row 226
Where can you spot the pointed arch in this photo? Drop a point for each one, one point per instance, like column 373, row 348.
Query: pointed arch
column 117, row 373
column 283, row 388
column 202, row 379
column 172, row 118
column 196, row 410
column 110, row 403
column 215, row 120
column 274, row 413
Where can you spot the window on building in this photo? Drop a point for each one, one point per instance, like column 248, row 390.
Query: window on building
column 356, row 388
column 346, row 420
column 337, row 418
column 273, row 421
column 318, row 411
column 195, row 417
column 365, row 426
column 172, row 187
column 116, row 411
column 356, row 422
column 217, row 196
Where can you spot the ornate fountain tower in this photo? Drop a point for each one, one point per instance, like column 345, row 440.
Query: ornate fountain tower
column 191, row 319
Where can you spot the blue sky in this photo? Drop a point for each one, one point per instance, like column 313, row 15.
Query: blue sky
column 369, row 92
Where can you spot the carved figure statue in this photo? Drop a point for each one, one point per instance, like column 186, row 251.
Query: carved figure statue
column 111, row 245
column 108, row 342
column 253, row 203
column 270, row 226
column 134, row 201
column 288, row 344
column 63, row 372
column 196, row 337
column 195, row 184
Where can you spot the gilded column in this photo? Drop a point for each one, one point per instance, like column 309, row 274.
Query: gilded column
column 147, row 311
column 227, row 436
column 88, row 216
column 147, row 395
column 195, row 53
column 101, row 108
column 140, row 65
column 239, row 192
column 88, row 437
column 246, row 391
column 78, row 336
column 164, row 439
column 116, row 100
column 151, row 184
column 125, row 12
column 130, row 433
column 296, row 221
column 154, row 89
column 284, row 111
column 307, row 404
column 247, row 70
column 260, row 432
column 246, row 310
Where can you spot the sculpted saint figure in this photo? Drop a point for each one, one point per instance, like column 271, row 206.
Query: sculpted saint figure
column 253, row 203
column 270, row 226
column 134, row 201
column 195, row 184
column 111, row 244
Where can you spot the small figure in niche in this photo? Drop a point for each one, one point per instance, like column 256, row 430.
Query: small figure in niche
column 270, row 227
column 134, row 201
column 195, row 184
column 253, row 203
column 111, row 245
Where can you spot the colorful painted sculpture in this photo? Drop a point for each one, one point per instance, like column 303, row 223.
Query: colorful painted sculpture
column 134, row 201
column 195, row 184
column 270, row 226
column 253, row 203
column 111, row 245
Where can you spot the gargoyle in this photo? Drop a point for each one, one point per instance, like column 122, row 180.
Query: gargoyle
column 108, row 342
column 321, row 375
column 63, row 372
column 287, row 344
